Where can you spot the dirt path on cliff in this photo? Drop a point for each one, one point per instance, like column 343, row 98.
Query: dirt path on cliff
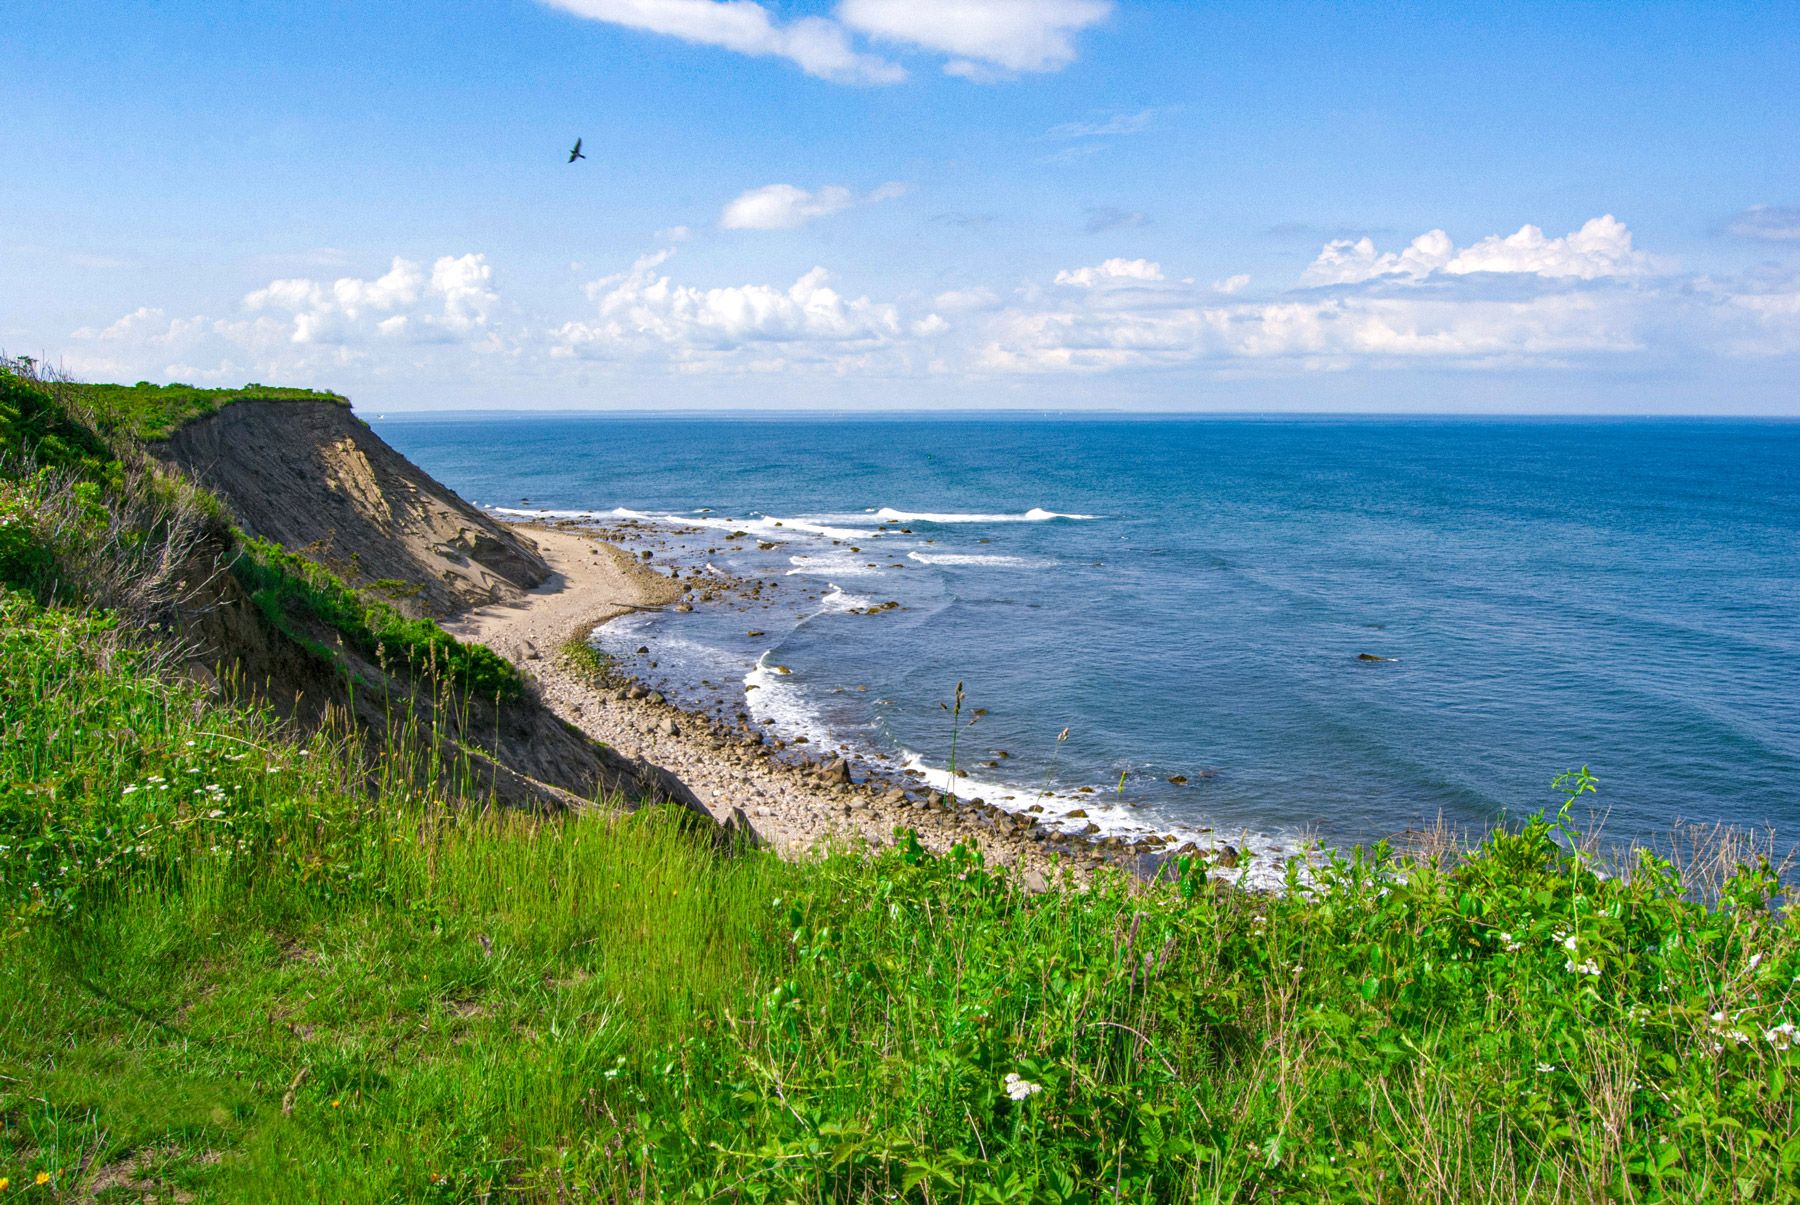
column 792, row 808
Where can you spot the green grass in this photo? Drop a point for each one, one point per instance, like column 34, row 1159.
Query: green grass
column 603, row 1008
column 287, row 586
column 150, row 412
column 238, row 969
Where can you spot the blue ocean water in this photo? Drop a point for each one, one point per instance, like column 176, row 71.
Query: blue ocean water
column 1190, row 598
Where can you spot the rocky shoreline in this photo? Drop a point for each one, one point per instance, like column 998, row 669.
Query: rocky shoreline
column 788, row 796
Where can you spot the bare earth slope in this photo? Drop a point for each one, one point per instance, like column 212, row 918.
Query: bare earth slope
column 311, row 476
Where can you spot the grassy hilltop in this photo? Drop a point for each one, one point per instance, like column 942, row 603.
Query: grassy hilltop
column 246, row 960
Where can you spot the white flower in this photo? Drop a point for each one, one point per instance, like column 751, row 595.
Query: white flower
column 1585, row 967
column 214, row 814
column 1509, row 943
column 1568, row 941
column 1546, row 1068
column 1018, row 1088
column 1755, row 961
column 1783, row 1036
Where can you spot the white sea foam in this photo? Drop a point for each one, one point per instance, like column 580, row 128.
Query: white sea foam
column 766, row 527
column 969, row 558
column 849, row 564
column 836, row 600
column 1036, row 514
column 780, row 704
column 543, row 513
column 1112, row 817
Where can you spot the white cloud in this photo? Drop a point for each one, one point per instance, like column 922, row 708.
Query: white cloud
column 1499, row 304
column 1767, row 223
column 786, row 207
column 817, row 46
column 979, row 298
column 1601, row 248
column 297, row 327
column 1109, row 127
column 987, row 39
column 985, row 36
column 643, row 314
column 1111, row 272
column 453, row 300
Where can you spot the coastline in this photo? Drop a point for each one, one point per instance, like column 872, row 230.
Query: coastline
column 792, row 803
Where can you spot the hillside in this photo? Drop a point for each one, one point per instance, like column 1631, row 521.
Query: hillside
column 312, row 477
column 261, row 497
column 264, row 948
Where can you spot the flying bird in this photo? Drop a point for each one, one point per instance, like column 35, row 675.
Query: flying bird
column 576, row 153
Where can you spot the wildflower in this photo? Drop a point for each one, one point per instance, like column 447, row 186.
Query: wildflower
column 130, row 789
column 41, row 1179
column 214, row 814
column 5, row 1181
column 1546, row 1068
column 1567, row 940
column 1509, row 943
column 337, row 1104
column 1018, row 1088
column 1755, row 961
column 1586, row 966
column 1783, row 1036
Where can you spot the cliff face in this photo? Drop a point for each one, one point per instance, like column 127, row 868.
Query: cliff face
column 309, row 475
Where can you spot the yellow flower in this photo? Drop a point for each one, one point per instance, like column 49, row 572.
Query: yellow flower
column 43, row 1178
column 336, row 1103
column 5, row 1183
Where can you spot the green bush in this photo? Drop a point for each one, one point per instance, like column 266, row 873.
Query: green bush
column 284, row 584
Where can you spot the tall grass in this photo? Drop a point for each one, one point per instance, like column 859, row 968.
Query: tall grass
column 332, row 990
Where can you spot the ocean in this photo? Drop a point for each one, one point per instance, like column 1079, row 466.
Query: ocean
column 1170, row 624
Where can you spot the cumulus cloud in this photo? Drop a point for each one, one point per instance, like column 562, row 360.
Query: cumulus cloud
column 644, row 314
column 1323, row 332
column 303, row 326
column 818, row 46
column 453, row 299
column 1601, row 248
column 987, row 37
column 786, row 207
column 1231, row 284
column 1111, row 272
column 1767, row 223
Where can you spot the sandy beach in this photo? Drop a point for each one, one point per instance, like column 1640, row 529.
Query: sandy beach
column 794, row 804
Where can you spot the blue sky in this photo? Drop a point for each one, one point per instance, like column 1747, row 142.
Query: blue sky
column 914, row 203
